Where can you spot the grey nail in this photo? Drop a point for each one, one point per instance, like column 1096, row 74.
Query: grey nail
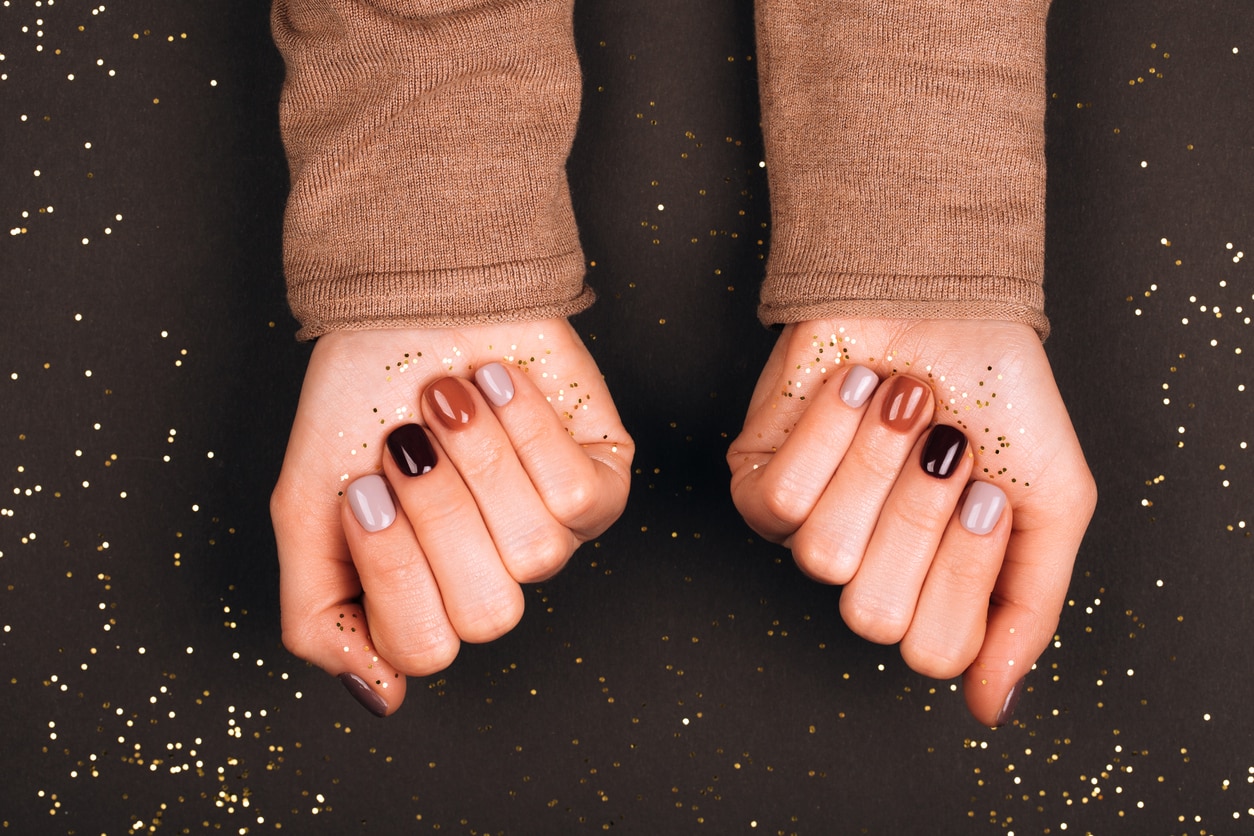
column 983, row 508
column 495, row 383
column 858, row 386
column 371, row 503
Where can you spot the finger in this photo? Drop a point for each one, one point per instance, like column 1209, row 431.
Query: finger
column 583, row 486
column 319, row 591
column 402, row 600
column 949, row 621
column 481, row 599
column 1027, row 600
column 531, row 543
column 879, row 602
column 776, row 491
column 773, row 411
column 830, row 544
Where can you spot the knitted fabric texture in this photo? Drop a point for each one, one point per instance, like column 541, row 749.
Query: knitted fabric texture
column 905, row 152
column 427, row 143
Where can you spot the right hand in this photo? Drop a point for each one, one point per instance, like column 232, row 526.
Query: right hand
column 507, row 486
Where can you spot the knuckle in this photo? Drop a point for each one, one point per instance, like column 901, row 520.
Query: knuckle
column 1033, row 600
column 574, row 501
column 966, row 576
column 491, row 619
column 937, row 663
column 783, row 502
column 394, row 568
column 280, row 501
column 925, row 517
column 542, row 556
column 820, row 557
column 879, row 621
column 423, row 652
column 299, row 639
column 1086, row 493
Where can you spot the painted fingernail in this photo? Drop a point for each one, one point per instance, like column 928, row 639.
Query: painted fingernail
column 904, row 400
column 371, row 503
column 982, row 508
column 495, row 383
column 411, row 450
column 858, row 386
column 451, row 402
column 1008, row 707
column 364, row 694
column 943, row 451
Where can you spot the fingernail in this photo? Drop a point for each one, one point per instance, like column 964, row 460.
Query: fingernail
column 411, row 450
column 495, row 383
column 364, row 694
column 858, row 386
column 451, row 402
column 903, row 402
column 982, row 508
column 1008, row 707
column 943, row 451
column 371, row 503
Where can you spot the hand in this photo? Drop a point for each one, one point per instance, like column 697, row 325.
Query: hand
column 825, row 466
column 412, row 502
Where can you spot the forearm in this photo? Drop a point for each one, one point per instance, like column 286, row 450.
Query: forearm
column 905, row 150
column 427, row 144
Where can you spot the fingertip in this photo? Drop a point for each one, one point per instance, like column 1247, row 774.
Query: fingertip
column 359, row 690
column 876, row 620
column 993, row 701
column 1010, row 704
column 944, row 451
column 907, row 403
column 338, row 641
column 821, row 558
column 932, row 664
column 449, row 402
column 491, row 616
column 982, row 508
column 858, row 386
column 496, row 384
column 371, row 502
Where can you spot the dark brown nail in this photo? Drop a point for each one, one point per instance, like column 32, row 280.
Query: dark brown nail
column 905, row 399
column 364, row 694
column 943, row 451
column 411, row 450
column 450, row 402
column 1008, row 707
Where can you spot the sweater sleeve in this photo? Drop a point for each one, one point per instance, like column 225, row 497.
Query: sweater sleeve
column 905, row 153
column 427, row 143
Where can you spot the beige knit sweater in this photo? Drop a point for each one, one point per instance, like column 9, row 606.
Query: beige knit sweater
column 428, row 138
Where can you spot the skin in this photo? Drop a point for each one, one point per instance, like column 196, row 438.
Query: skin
column 846, row 494
column 513, row 493
column 837, row 485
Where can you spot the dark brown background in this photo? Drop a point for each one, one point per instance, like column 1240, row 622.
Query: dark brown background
column 679, row 676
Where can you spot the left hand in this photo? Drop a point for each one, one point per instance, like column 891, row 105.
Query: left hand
column 839, row 481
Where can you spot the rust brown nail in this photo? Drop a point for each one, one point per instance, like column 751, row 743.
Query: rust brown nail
column 903, row 404
column 450, row 402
